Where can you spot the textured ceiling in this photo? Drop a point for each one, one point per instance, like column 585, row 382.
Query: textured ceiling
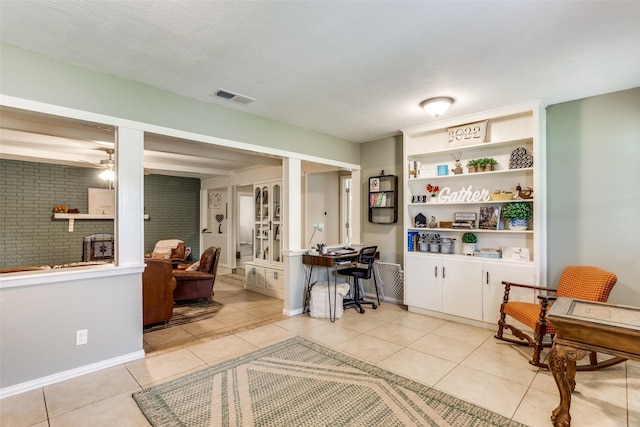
column 353, row 69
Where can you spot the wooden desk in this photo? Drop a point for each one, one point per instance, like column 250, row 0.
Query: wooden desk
column 327, row 261
column 582, row 327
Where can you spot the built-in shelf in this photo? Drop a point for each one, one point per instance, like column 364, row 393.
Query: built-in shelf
column 72, row 217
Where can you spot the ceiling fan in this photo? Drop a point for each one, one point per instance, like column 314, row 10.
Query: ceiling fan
column 108, row 165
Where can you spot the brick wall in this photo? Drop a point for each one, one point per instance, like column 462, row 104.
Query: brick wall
column 30, row 236
column 173, row 205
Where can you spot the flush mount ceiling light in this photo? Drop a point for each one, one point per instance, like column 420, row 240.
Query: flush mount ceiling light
column 437, row 106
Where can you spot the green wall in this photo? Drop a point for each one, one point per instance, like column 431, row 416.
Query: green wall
column 173, row 206
column 30, row 236
column 384, row 154
column 32, row 76
column 593, row 188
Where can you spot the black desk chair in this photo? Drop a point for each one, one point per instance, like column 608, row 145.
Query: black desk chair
column 366, row 257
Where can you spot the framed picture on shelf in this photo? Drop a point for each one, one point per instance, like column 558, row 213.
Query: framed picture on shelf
column 374, row 184
column 516, row 254
column 489, row 217
column 469, row 134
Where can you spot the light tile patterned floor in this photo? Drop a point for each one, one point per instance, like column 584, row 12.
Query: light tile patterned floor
column 464, row 361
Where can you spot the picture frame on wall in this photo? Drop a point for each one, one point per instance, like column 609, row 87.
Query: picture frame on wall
column 101, row 201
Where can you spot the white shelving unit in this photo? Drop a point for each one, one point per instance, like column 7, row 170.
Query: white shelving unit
column 452, row 284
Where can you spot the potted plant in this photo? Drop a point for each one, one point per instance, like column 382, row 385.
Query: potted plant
column 481, row 164
column 469, row 241
column 433, row 191
column 472, row 165
column 517, row 214
column 489, row 163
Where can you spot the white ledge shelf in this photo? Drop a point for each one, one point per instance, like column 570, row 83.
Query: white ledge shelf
column 72, row 217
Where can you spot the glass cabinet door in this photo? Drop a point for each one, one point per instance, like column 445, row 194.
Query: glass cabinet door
column 276, row 224
column 257, row 226
column 268, row 223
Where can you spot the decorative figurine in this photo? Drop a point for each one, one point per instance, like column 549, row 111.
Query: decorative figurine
column 456, row 158
column 433, row 223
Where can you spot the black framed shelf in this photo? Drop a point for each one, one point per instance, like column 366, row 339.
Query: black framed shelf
column 383, row 199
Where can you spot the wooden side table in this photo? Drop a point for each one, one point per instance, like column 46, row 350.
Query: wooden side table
column 582, row 327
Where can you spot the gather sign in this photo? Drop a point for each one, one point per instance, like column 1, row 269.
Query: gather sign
column 463, row 195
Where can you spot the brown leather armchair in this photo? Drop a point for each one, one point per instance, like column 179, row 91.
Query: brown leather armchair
column 158, row 285
column 197, row 284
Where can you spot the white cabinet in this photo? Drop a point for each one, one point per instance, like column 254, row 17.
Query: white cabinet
column 494, row 273
column 461, row 287
column 255, row 278
column 268, row 281
column 267, row 232
column 266, row 273
column 467, row 288
column 514, row 138
column 425, row 291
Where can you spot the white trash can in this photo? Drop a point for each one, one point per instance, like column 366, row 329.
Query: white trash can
column 319, row 305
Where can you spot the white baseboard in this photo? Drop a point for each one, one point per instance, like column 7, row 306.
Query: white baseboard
column 292, row 312
column 72, row 373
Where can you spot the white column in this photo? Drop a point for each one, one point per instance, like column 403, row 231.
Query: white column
column 356, row 216
column 129, row 223
column 292, row 221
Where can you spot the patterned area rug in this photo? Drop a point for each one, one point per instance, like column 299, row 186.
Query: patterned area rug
column 187, row 312
column 301, row 383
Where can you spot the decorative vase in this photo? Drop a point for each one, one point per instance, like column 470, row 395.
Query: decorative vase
column 518, row 224
column 433, row 199
column 469, row 248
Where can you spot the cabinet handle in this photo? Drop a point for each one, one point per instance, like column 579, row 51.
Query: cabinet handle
column 435, row 271
column 443, row 272
column 275, row 274
column 487, row 277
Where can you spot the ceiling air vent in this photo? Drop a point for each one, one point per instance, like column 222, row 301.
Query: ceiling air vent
column 235, row 97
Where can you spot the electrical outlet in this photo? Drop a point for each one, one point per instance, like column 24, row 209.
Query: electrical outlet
column 82, row 336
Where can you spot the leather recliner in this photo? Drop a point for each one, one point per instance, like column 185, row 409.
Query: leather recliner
column 158, row 285
column 197, row 284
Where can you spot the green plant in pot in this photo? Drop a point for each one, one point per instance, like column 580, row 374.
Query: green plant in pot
column 469, row 241
column 517, row 214
column 489, row 163
column 472, row 165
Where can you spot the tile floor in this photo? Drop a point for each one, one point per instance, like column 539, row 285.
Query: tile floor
column 463, row 361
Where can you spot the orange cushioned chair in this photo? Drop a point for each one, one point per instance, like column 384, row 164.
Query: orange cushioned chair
column 578, row 282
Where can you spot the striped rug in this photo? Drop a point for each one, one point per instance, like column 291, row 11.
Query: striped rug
column 301, row 383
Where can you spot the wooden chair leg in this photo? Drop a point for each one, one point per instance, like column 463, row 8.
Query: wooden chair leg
column 501, row 321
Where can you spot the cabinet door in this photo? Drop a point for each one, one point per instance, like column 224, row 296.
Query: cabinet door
column 276, row 223
column 493, row 289
column 422, row 282
column 274, row 281
column 461, row 287
column 255, row 277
